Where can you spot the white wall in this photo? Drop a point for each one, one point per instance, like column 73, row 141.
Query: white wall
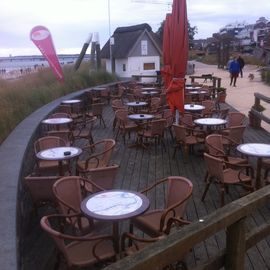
column 135, row 66
column 119, row 68
column 108, row 65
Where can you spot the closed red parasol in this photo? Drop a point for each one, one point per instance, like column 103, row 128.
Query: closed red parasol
column 179, row 55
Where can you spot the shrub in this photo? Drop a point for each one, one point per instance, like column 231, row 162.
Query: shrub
column 21, row 97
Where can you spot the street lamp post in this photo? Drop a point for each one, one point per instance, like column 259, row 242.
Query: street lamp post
column 110, row 40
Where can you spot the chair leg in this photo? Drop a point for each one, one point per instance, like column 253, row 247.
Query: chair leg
column 163, row 143
column 117, row 133
column 222, row 195
column 186, row 149
column 114, row 123
column 101, row 119
column 206, row 189
column 174, row 152
column 170, row 130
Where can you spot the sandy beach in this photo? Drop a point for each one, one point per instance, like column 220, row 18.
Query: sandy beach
column 240, row 97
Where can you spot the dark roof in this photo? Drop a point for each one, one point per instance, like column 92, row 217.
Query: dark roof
column 125, row 38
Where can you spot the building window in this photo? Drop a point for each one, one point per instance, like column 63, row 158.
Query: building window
column 148, row 66
column 124, row 67
column 144, row 49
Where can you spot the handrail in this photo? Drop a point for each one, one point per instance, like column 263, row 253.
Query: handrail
column 216, row 80
column 255, row 113
column 230, row 218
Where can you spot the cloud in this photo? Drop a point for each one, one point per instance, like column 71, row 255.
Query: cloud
column 70, row 21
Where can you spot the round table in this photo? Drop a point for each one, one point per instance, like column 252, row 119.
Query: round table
column 197, row 92
column 192, row 87
column 57, row 121
column 136, row 104
column 115, row 205
column 150, row 93
column 193, row 107
column 71, row 101
column 149, row 89
column 59, row 154
column 259, row 150
column 140, row 119
column 210, row 122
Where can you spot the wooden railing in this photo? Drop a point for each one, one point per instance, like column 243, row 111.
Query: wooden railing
column 230, row 218
column 255, row 113
column 215, row 80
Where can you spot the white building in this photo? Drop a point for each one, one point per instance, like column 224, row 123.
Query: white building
column 136, row 50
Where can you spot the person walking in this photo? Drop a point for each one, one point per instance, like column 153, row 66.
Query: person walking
column 241, row 62
column 234, row 71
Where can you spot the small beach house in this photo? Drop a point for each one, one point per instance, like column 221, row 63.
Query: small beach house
column 135, row 50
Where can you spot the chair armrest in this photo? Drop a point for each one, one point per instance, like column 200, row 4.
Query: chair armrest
column 154, row 185
column 134, row 239
column 178, row 221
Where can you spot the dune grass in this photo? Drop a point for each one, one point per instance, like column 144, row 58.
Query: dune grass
column 21, row 97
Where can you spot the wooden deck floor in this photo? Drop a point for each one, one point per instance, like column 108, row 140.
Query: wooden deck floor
column 141, row 167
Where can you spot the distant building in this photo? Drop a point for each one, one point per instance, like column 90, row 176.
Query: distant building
column 232, row 28
column 34, row 61
column 136, row 50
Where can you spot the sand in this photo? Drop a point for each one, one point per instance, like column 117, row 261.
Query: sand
column 240, row 97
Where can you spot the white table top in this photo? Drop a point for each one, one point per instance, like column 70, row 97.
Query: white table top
column 136, row 103
column 197, row 92
column 58, row 153
column 255, row 149
column 192, row 87
column 148, row 88
column 149, row 92
column 193, row 107
column 57, row 121
column 71, row 101
column 140, row 116
column 210, row 121
column 115, row 204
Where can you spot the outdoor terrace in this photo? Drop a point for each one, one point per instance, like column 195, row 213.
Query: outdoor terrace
column 141, row 167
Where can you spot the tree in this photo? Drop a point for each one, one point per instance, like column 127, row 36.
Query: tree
column 191, row 32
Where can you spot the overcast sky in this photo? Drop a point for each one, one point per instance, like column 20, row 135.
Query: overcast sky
column 71, row 21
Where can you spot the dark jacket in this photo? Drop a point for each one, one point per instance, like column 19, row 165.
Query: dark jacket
column 241, row 62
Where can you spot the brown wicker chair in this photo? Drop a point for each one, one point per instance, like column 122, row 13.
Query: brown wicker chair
column 69, row 192
column 124, row 125
column 83, row 130
column 234, row 119
column 97, row 110
column 131, row 244
column 218, row 172
column 117, row 104
column 214, row 146
column 155, row 131
column 156, row 222
column 187, row 138
column 79, row 249
column 40, row 188
column 103, row 177
column 49, row 166
column 234, row 137
column 95, row 156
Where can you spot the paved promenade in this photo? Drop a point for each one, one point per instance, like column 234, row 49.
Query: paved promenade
column 240, row 97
